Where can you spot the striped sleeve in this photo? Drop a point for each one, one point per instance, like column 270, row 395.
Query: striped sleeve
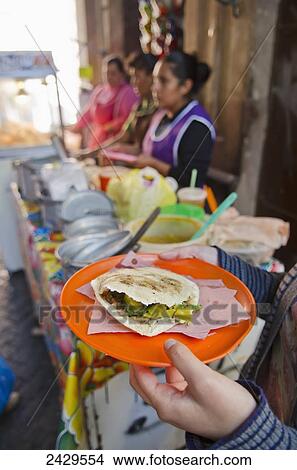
column 262, row 431
column 262, row 284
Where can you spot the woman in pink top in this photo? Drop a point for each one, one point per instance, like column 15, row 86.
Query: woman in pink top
column 109, row 106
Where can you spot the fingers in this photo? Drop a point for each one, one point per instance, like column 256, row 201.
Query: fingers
column 164, row 398
column 190, row 367
column 174, row 377
column 205, row 253
column 186, row 252
column 152, row 391
column 134, row 383
column 146, row 382
column 134, row 163
column 116, row 148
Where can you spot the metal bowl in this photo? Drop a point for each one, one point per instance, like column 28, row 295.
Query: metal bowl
column 81, row 251
column 83, row 203
column 91, row 224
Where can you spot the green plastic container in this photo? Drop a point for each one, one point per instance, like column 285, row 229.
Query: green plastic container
column 186, row 210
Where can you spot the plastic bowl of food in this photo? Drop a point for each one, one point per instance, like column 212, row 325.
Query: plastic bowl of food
column 167, row 232
column 187, row 210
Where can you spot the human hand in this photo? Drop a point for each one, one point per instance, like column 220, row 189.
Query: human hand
column 194, row 398
column 131, row 149
column 205, row 253
column 144, row 160
column 115, row 147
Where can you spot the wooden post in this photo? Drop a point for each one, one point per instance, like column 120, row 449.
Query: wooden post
column 235, row 56
column 255, row 131
column 191, row 26
column 116, row 26
column 224, row 42
column 93, row 38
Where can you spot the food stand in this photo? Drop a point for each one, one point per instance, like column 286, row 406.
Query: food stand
column 29, row 97
column 95, row 390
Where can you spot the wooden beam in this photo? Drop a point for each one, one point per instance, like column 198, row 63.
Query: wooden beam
column 131, row 27
column 191, row 22
column 116, row 21
column 210, row 52
column 93, row 37
column 235, row 56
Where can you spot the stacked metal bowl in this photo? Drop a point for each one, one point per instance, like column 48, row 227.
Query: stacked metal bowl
column 91, row 230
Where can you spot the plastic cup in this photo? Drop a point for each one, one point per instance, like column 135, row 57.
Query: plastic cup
column 173, row 183
column 194, row 196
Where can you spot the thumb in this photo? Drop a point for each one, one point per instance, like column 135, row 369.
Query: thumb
column 195, row 372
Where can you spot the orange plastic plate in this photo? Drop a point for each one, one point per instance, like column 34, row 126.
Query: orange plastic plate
column 137, row 349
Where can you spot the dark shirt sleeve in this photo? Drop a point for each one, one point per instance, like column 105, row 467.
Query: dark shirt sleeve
column 194, row 151
column 262, row 430
column 263, row 285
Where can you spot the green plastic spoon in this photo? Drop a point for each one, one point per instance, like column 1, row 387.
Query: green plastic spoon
column 216, row 214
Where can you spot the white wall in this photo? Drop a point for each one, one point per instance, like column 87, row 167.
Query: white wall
column 53, row 25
